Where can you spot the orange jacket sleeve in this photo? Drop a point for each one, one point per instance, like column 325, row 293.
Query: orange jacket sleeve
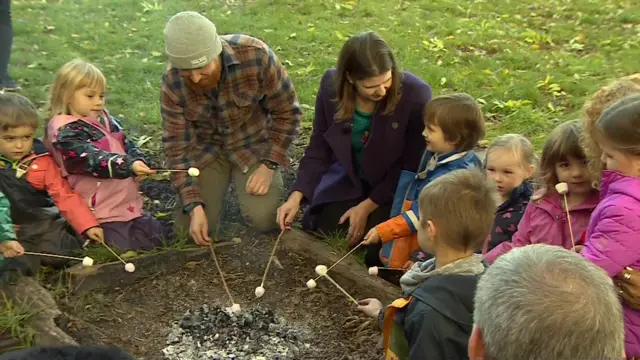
column 74, row 209
column 394, row 228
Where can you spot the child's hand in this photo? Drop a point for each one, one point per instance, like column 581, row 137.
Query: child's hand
column 408, row 265
column 95, row 234
column 578, row 248
column 11, row 248
column 140, row 168
column 370, row 307
column 372, row 237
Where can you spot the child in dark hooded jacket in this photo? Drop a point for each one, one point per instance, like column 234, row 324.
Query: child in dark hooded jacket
column 434, row 318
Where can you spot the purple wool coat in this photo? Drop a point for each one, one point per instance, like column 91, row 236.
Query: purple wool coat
column 612, row 240
column 327, row 174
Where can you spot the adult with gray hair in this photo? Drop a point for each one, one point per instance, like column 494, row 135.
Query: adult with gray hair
column 544, row 302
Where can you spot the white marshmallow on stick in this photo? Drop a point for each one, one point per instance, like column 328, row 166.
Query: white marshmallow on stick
column 87, row 261
column 129, row 267
column 311, row 284
column 235, row 308
column 260, row 289
column 61, row 257
column 322, row 271
column 562, row 189
column 335, row 263
column 374, row 270
column 193, row 172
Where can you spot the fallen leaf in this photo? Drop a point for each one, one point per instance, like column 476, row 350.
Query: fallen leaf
column 192, row 264
column 156, row 53
column 277, row 262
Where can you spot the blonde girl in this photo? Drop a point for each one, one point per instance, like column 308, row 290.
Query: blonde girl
column 98, row 160
column 509, row 163
column 545, row 219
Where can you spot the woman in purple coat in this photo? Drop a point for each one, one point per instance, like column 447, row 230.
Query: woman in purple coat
column 367, row 129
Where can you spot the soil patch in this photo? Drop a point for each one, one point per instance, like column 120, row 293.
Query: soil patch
column 140, row 318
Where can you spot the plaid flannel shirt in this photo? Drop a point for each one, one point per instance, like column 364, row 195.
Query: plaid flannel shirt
column 253, row 115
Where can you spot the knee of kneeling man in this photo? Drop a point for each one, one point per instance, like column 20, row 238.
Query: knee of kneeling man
column 263, row 222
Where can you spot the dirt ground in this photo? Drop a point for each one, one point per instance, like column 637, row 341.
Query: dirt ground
column 138, row 318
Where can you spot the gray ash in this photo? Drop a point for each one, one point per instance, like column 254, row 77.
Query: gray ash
column 216, row 334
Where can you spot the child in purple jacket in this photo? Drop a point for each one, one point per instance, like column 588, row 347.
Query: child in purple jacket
column 613, row 234
column 545, row 219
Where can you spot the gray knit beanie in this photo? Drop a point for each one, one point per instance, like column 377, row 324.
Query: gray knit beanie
column 191, row 40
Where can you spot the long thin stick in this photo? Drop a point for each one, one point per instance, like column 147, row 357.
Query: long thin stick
column 273, row 251
column 342, row 258
column 566, row 207
column 52, row 255
column 113, row 252
column 215, row 259
column 170, row 170
column 389, row 268
column 341, row 289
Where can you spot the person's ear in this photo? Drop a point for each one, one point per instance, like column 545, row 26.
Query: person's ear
column 432, row 229
column 636, row 164
column 529, row 171
column 475, row 349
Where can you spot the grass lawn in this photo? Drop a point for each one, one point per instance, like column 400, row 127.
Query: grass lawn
column 531, row 63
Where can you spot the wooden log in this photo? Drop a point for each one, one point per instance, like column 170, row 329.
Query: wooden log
column 348, row 269
column 45, row 311
column 110, row 275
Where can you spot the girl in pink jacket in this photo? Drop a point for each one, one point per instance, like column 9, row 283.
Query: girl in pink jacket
column 545, row 219
column 613, row 235
column 97, row 159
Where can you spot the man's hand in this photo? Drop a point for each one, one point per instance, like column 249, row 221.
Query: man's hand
column 96, row 234
column 370, row 307
column 260, row 180
column 357, row 217
column 199, row 226
column 11, row 248
column 372, row 237
column 140, row 168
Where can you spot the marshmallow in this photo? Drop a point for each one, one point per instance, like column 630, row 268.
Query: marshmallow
column 321, row 270
column 235, row 308
column 373, row 270
column 311, row 284
column 129, row 267
column 193, row 172
column 87, row 261
column 562, row 188
column 259, row 291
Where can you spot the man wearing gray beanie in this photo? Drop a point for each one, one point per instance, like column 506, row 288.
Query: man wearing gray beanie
column 229, row 109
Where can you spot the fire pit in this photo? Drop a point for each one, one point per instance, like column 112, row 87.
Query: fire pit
column 215, row 333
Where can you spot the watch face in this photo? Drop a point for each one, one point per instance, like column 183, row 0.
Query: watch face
column 270, row 164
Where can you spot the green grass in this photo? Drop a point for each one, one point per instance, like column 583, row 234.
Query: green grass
column 530, row 62
column 14, row 320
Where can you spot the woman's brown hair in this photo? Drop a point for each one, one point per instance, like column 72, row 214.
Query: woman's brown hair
column 363, row 56
column 593, row 108
column 563, row 142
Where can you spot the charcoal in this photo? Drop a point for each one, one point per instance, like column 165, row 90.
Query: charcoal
column 213, row 333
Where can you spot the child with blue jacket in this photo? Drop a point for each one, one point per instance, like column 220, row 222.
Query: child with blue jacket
column 454, row 123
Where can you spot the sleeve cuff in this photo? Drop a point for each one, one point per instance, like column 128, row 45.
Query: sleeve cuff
column 189, row 207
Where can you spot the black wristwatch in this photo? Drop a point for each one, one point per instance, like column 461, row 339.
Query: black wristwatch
column 271, row 165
